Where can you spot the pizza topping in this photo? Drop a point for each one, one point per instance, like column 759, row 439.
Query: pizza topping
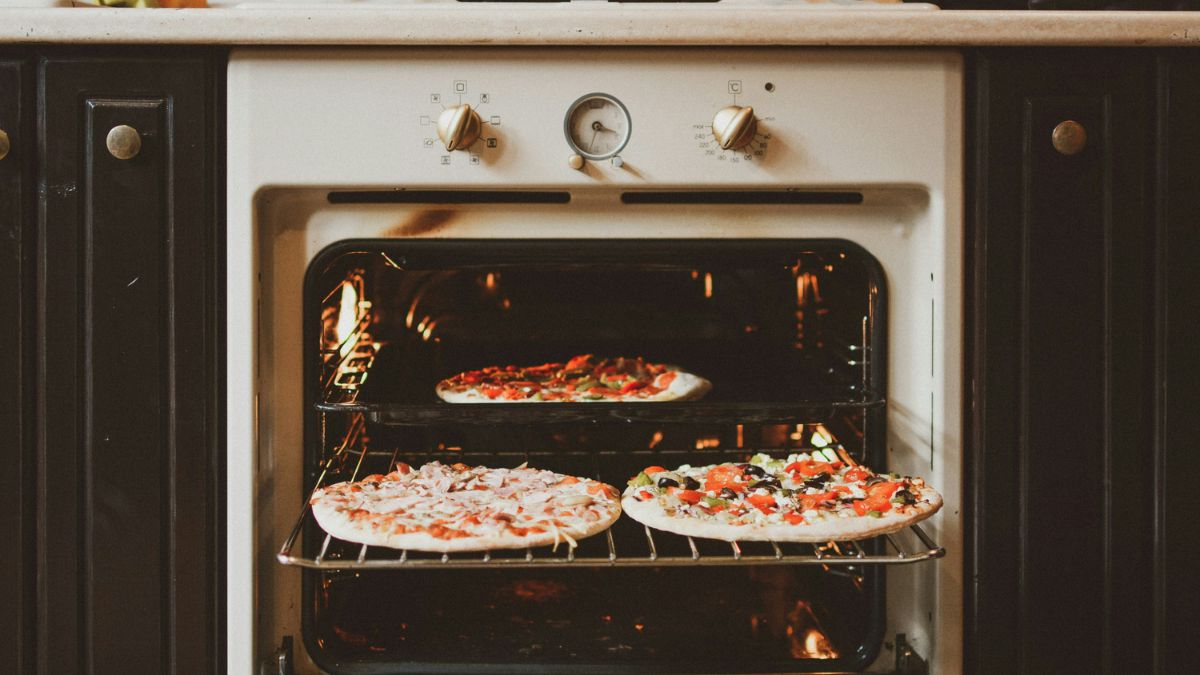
column 803, row 488
column 582, row 378
column 459, row 501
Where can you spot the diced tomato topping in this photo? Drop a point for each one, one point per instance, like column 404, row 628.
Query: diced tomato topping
column 514, row 394
column 664, row 381
column 764, row 503
column 856, row 474
column 604, row 391
column 809, row 468
column 793, row 518
column 688, row 496
column 568, row 480
column 813, row 501
column 840, row 488
column 864, row 506
column 632, row 385
column 597, row 488
column 653, row 469
column 724, row 476
column 491, row 390
column 885, row 489
column 645, row 495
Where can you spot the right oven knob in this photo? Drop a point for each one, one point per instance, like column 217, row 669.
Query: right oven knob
column 734, row 126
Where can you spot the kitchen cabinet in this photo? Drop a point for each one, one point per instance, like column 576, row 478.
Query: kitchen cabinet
column 17, row 571
column 1083, row 359
column 128, row 492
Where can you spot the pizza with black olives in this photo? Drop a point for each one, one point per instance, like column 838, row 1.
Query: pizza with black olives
column 804, row 498
column 584, row 378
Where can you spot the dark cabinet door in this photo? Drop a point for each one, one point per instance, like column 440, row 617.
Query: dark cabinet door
column 17, row 575
column 127, row 489
column 1176, row 459
column 1062, row 449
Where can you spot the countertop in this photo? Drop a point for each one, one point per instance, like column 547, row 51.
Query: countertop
column 595, row 23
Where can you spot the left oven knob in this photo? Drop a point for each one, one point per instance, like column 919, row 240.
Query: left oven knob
column 458, row 127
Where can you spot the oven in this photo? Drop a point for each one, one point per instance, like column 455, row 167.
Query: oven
column 785, row 222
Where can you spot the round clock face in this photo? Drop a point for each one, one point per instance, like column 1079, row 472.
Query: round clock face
column 597, row 126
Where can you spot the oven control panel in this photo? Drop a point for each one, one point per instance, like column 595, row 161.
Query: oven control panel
column 545, row 117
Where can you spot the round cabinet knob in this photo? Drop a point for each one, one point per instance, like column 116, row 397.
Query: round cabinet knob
column 1069, row 137
column 458, row 127
column 123, row 142
column 5, row 144
column 734, row 126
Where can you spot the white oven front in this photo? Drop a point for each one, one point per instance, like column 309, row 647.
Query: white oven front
column 884, row 126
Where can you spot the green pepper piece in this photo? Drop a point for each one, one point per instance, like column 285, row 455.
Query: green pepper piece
column 640, row 480
column 875, row 514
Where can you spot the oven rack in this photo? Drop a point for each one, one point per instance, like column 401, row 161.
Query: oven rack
column 684, row 412
column 658, row 549
column 626, row 544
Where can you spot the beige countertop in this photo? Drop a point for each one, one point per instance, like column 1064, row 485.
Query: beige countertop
column 587, row 23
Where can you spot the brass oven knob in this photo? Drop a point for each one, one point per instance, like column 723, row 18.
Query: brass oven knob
column 458, row 127
column 734, row 126
column 1069, row 137
column 5, row 144
column 123, row 142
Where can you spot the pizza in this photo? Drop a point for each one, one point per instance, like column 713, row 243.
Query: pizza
column 461, row 508
column 582, row 379
column 805, row 498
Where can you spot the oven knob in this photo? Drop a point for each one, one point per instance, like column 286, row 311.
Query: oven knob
column 458, row 127
column 734, row 126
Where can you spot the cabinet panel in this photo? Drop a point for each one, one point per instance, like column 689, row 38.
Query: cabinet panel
column 17, row 564
column 1177, row 371
column 1062, row 371
column 127, row 489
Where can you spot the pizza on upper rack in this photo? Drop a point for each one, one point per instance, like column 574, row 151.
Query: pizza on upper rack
column 582, row 379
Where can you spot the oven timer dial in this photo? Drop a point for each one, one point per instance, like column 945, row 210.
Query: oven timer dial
column 734, row 127
column 458, row 127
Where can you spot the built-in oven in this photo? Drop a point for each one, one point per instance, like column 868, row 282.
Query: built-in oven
column 785, row 222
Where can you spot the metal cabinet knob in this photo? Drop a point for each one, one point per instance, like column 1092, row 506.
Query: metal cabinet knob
column 1069, row 137
column 5, row 144
column 124, row 142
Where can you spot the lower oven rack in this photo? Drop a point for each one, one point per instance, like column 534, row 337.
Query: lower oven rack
column 658, row 549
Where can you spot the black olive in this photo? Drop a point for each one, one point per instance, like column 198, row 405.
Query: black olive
column 904, row 497
column 818, row 481
column 752, row 470
column 726, row 493
column 691, row 483
column 770, row 483
column 847, row 500
column 666, row 482
column 875, row 480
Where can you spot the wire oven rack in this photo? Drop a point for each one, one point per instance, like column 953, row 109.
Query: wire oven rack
column 626, row 544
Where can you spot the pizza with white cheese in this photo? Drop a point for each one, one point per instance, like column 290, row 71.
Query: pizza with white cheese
column 461, row 508
column 804, row 498
column 584, row 378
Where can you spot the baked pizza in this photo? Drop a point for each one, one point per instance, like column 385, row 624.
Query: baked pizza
column 804, row 498
column 584, row 378
column 461, row 508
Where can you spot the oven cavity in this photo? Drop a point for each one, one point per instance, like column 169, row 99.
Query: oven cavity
column 792, row 335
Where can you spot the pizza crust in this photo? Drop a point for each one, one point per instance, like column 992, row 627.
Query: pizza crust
column 650, row 513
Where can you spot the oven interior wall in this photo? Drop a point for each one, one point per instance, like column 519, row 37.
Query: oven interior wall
column 767, row 321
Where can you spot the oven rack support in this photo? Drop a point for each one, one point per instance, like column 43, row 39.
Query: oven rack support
column 657, row 549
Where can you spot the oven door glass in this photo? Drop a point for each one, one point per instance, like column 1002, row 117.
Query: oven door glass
column 790, row 333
